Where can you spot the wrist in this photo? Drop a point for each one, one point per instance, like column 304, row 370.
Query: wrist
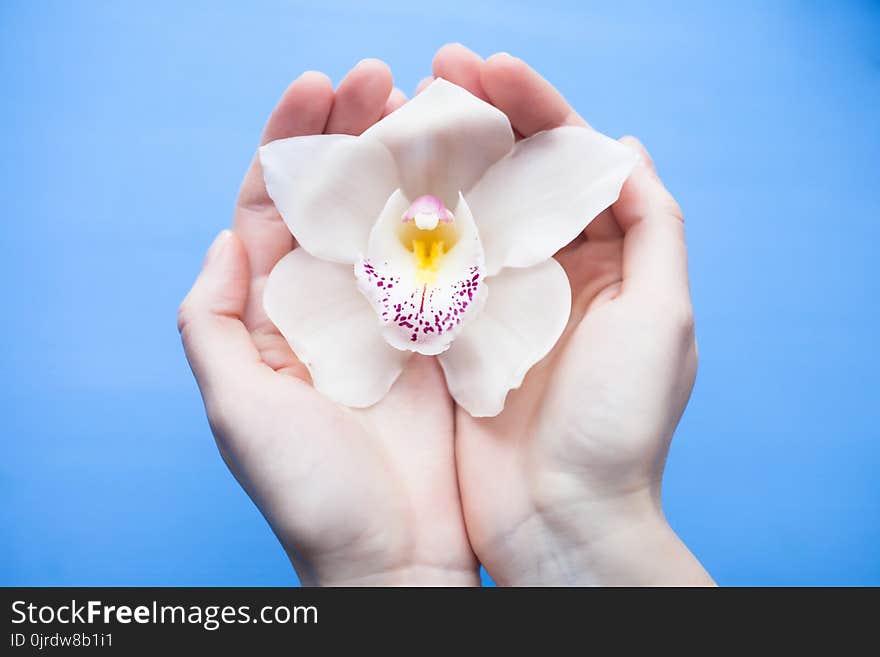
column 416, row 575
column 360, row 570
column 620, row 541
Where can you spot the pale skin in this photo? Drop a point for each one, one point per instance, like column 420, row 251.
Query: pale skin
column 563, row 487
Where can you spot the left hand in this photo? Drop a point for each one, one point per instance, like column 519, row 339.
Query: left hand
column 356, row 496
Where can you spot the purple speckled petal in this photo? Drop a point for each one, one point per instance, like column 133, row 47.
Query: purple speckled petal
column 416, row 315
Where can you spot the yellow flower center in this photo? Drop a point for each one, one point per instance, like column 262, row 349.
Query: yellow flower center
column 428, row 256
column 428, row 248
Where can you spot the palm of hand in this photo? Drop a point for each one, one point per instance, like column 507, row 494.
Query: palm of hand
column 355, row 496
column 592, row 421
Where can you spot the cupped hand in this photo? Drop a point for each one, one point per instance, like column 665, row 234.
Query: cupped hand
column 355, row 496
column 564, row 485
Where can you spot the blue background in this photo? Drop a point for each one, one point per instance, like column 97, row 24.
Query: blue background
column 125, row 129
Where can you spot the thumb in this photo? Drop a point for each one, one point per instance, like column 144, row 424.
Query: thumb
column 217, row 344
column 654, row 252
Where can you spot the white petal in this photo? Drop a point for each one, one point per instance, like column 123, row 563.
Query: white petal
column 443, row 140
column 525, row 314
column 545, row 192
column 331, row 329
column 418, row 315
column 329, row 189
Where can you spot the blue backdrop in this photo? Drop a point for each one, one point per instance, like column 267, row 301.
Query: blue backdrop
column 125, row 129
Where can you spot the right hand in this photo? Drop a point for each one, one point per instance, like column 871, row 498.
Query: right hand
column 564, row 485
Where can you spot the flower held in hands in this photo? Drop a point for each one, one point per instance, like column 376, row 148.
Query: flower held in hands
column 432, row 232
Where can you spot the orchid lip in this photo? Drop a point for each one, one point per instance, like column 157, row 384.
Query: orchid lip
column 424, row 283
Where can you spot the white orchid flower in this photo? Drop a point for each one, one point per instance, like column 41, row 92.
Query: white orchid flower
column 433, row 232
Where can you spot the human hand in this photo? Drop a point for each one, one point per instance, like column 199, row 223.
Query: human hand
column 563, row 487
column 365, row 496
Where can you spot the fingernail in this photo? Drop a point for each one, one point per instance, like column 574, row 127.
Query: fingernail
column 218, row 246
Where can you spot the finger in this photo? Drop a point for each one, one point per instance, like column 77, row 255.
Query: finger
column 360, row 98
column 461, row 66
column 604, row 227
column 654, row 250
column 302, row 110
column 217, row 344
column 395, row 101
column 423, row 84
column 531, row 103
column 639, row 148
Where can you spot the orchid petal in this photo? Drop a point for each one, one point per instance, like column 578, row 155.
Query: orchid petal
column 329, row 189
column 332, row 329
column 443, row 140
column 525, row 314
column 420, row 309
column 544, row 193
